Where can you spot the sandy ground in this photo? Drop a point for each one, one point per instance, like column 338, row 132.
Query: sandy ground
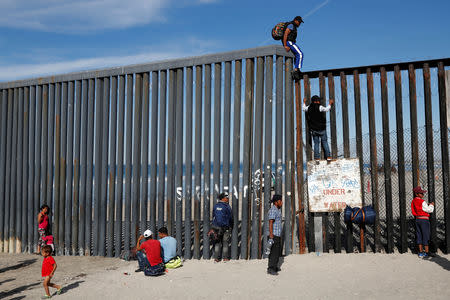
column 329, row 276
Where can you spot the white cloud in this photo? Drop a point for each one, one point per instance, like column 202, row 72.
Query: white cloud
column 83, row 15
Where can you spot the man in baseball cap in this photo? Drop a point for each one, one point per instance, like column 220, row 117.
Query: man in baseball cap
column 151, row 263
column 421, row 211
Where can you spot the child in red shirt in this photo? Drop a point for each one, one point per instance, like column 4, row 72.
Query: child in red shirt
column 421, row 210
column 48, row 270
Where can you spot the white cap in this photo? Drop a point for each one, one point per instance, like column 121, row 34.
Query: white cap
column 148, row 233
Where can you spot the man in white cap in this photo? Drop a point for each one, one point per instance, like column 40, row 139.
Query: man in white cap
column 151, row 263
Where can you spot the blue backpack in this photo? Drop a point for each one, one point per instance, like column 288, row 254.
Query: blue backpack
column 222, row 215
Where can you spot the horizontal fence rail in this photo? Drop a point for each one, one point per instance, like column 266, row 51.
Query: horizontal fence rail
column 114, row 152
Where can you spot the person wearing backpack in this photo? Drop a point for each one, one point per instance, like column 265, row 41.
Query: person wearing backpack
column 289, row 42
column 222, row 224
column 317, row 121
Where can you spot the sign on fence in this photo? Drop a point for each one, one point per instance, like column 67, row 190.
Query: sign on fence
column 332, row 186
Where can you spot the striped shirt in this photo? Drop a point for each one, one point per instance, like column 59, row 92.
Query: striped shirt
column 275, row 214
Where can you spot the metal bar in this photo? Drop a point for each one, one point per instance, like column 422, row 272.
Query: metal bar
column 207, row 162
column 76, row 169
column 359, row 149
column 153, row 153
column 413, row 120
column 8, row 170
column 387, row 162
column 162, row 146
column 136, row 159
column 19, row 197
column 373, row 160
column 289, row 207
column 25, row 226
column 128, row 157
column 3, row 175
column 112, row 171
column 430, row 152
column 443, row 113
column 217, row 129
column 161, row 65
column 171, row 151
column 37, row 157
column 56, row 193
column 144, row 159
column 97, row 164
column 226, row 126
column 247, row 163
column 62, row 170
column 325, row 223
column 118, row 229
column 188, row 182
column 279, row 126
column 83, row 169
column 69, row 173
column 268, row 104
column 236, row 156
column 179, row 161
column 89, row 165
column 299, row 165
column 12, row 197
column 104, row 168
column 51, row 146
column 400, row 161
column 198, row 159
column 257, row 157
column 311, row 241
column 44, row 147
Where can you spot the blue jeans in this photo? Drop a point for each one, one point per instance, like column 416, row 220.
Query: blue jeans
column 322, row 135
column 142, row 260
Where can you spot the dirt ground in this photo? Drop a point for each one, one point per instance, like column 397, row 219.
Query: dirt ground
column 329, row 276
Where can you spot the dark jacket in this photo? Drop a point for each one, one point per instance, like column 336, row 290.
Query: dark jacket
column 222, row 215
column 292, row 36
column 317, row 120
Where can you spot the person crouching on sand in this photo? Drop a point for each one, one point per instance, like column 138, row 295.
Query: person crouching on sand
column 48, row 270
column 151, row 263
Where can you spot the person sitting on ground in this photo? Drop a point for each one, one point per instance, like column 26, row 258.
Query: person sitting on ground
column 151, row 263
column 169, row 249
column 421, row 211
column 48, row 270
column 222, row 224
column 317, row 121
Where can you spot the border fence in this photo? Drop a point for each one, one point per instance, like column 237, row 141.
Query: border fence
column 116, row 151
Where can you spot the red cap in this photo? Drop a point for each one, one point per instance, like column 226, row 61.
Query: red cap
column 418, row 190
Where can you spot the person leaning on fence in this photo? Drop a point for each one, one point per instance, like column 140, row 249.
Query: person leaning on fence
column 151, row 263
column 274, row 234
column 421, row 211
column 222, row 224
column 169, row 249
column 317, row 122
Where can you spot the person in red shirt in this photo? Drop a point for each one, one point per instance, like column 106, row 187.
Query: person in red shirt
column 421, row 210
column 48, row 270
column 152, row 263
column 42, row 226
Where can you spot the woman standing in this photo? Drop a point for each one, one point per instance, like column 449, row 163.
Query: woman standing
column 42, row 226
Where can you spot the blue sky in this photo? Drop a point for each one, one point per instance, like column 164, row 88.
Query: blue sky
column 44, row 37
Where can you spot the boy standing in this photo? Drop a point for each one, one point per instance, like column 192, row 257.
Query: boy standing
column 289, row 43
column 274, row 217
column 48, row 270
column 421, row 210
column 222, row 224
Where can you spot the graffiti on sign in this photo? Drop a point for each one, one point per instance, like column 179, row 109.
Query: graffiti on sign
column 334, row 185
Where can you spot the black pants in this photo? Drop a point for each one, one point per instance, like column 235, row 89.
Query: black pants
column 275, row 253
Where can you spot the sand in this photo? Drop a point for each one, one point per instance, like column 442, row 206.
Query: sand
column 329, row 276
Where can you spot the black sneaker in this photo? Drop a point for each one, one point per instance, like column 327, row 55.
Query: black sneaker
column 272, row 272
column 139, row 270
column 296, row 75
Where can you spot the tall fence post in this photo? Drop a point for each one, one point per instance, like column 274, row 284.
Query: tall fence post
column 198, row 159
column 188, row 182
column 179, row 136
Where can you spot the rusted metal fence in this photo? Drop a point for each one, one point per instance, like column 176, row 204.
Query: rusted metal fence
column 116, row 151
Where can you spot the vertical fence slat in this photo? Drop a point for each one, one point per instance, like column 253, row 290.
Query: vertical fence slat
column 37, row 158
column 257, row 157
column 403, row 239
column 188, row 182
column 325, row 223
column 217, row 129
column 128, row 157
column 8, row 169
column 120, row 159
column 89, row 165
column 136, row 167
column 443, row 113
column 373, row 159
column 279, row 126
column 359, row 151
column 69, row 169
column 236, row 156
column 83, row 168
column 413, row 120
column 430, row 153
column 198, row 159
column 3, row 175
column 44, row 146
column 289, row 206
column 12, row 197
column 179, row 160
column 171, row 152
column 207, row 162
column 144, row 152
column 97, row 164
column 56, row 192
column 387, row 161
column 25, row 232
column 154, row 148
column 76, row 169
column 18, row 200
column 247, row 163
column 162, row 146
column 112, row 169
column 51, row 145
column 226, row 127
column 62, row 170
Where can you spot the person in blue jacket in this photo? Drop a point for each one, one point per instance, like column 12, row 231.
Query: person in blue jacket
column 222, row 224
